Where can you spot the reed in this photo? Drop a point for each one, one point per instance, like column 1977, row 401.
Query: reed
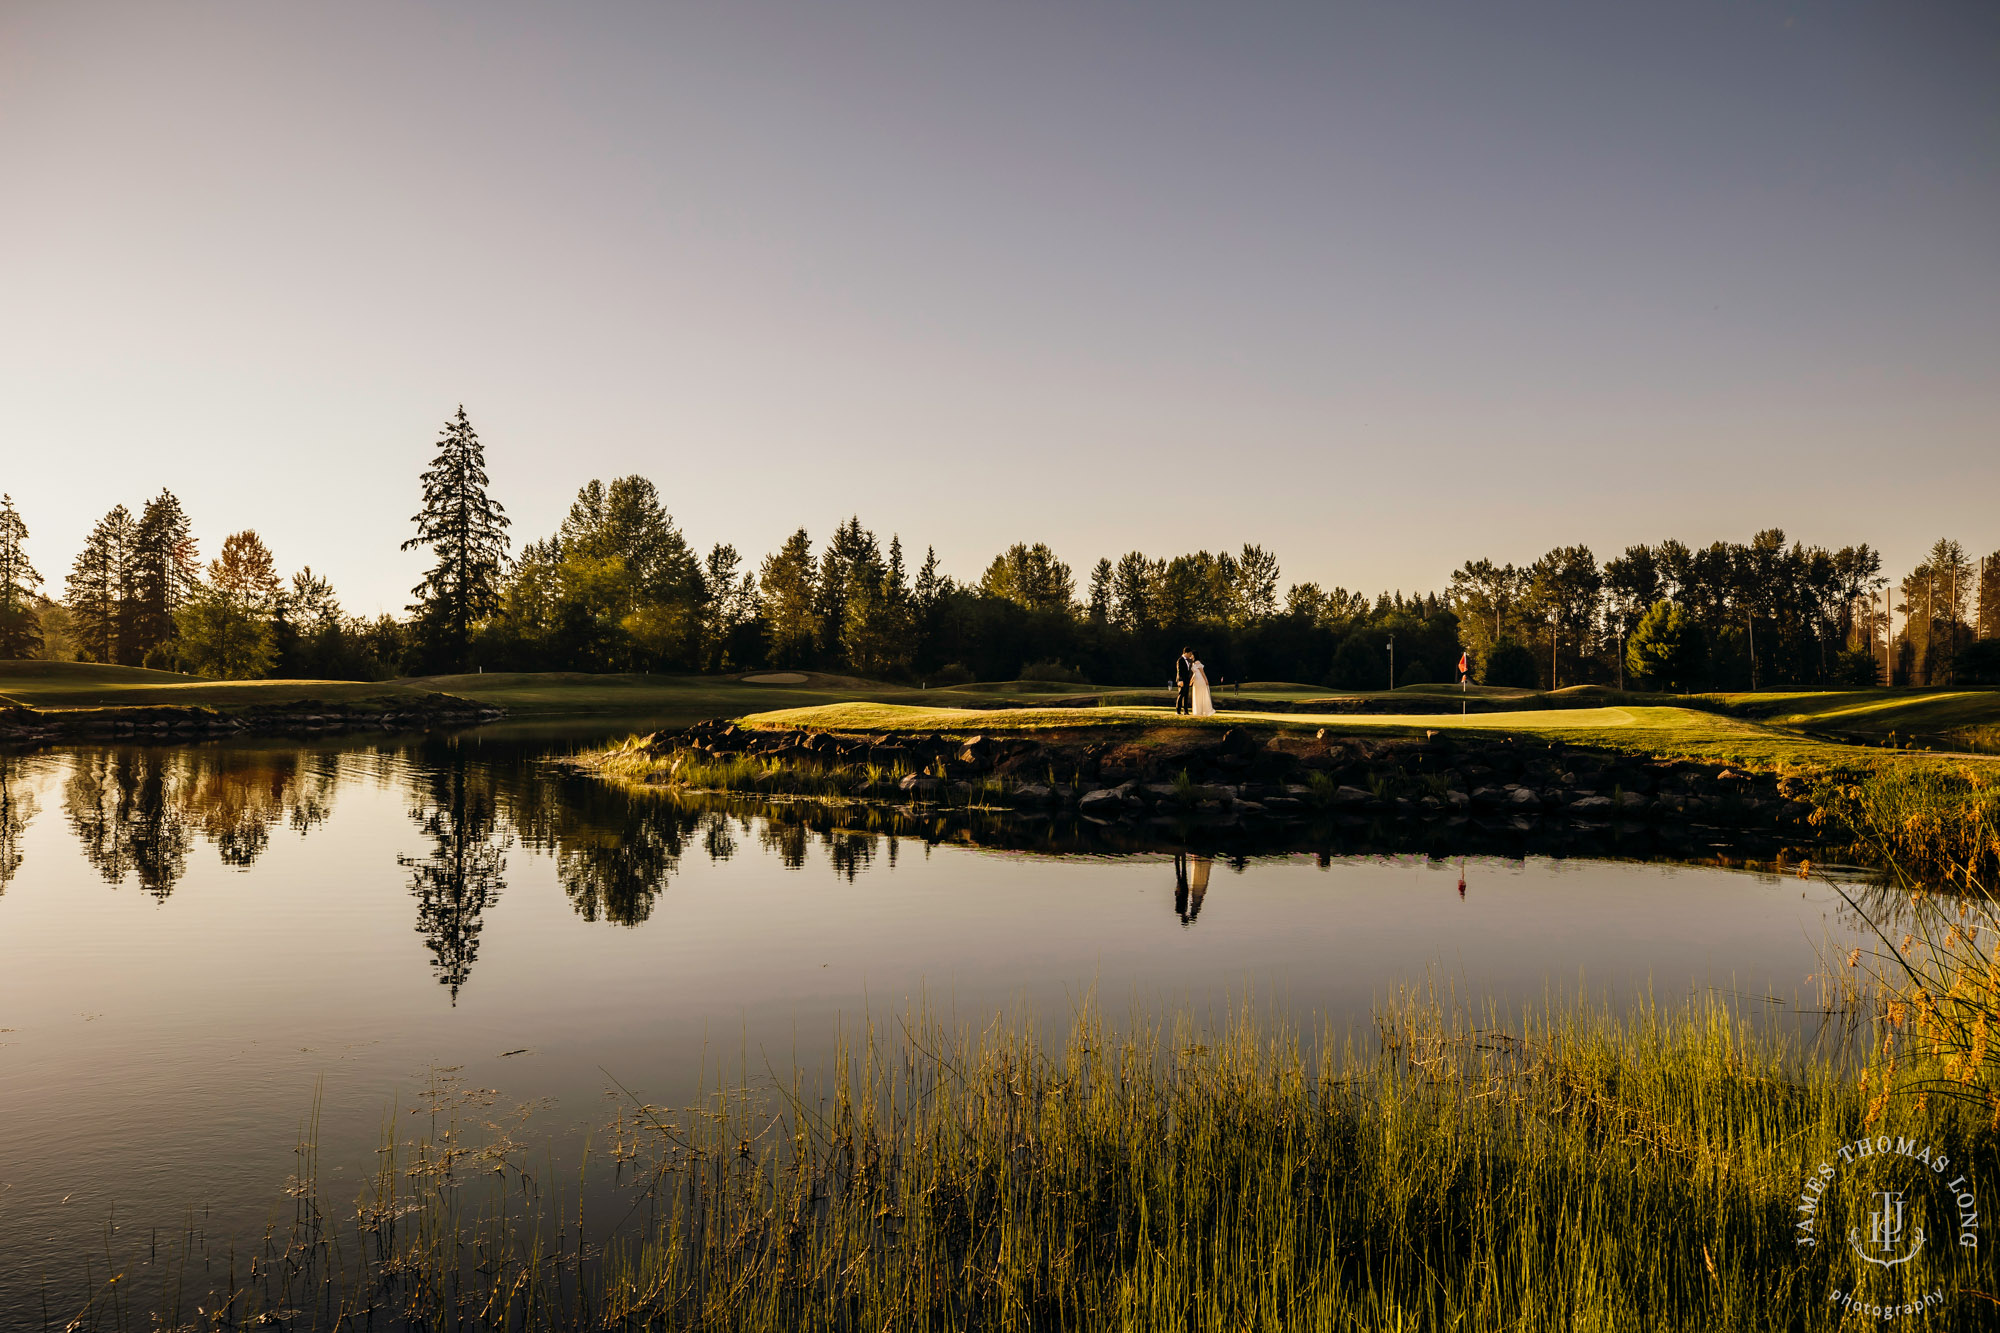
column 1938, row 824
column 1574, row 1171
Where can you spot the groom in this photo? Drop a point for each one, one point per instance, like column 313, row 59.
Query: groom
column 1184, row 681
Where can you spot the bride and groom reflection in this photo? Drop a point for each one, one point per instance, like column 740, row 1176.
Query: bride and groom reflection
column 1190, row 885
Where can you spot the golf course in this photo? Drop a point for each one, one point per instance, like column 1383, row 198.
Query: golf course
column 1818, row 728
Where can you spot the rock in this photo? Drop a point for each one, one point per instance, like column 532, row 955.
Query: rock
column 1524, row 798
column 1592, row 805
column 1034, row 793
column 1632, row 800
column 1351, row 796
column 1105, row 802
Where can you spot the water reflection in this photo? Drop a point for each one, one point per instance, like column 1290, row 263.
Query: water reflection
column 127, row 809
column 1190, row 885
column 18, row 807
column 138, row 812
column 461, row 877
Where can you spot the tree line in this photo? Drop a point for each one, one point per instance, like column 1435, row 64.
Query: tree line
column 617, row 587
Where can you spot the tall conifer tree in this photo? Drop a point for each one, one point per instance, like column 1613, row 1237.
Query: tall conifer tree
column 20, row 626
column 467, row 531
column 163, row 570
column 98, row 589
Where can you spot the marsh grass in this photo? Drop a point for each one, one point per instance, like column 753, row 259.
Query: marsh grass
column 1570, row 1171
column 1935, row 824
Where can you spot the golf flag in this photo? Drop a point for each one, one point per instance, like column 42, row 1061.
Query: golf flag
column 1464, row 665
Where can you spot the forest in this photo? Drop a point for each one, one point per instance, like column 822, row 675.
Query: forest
column 617, row 588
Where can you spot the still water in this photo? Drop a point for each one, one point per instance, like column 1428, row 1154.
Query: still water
column 198, row 944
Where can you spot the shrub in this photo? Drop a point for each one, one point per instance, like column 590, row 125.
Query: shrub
column 1054, row 671
column 954, row 673
column 1415, row 674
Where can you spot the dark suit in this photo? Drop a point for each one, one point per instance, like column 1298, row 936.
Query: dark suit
column 1183, row 684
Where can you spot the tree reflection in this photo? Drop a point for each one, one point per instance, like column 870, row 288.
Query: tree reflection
column 461, row 877
column 136, row 809
column 237, row 798
column 126, row 808
column 17, row 807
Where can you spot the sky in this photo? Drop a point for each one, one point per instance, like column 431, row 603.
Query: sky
column 1380, row 287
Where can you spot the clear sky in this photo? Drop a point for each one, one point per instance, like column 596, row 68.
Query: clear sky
column 1380, row 286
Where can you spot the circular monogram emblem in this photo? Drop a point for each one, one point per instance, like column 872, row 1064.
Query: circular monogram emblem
column 1898, row 1222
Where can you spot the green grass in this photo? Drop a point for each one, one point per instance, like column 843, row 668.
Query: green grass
column 79, row 685
column 1656, row 730
column 1565, row 1171
column 1872, row 713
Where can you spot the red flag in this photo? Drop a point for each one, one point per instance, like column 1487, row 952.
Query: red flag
column 1464, row 663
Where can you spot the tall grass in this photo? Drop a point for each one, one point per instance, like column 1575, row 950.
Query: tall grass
column 1574, row 1172
column 1937, row 824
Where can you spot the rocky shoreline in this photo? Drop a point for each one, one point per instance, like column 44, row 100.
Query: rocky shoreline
column 168, row 722
column 1241, row 776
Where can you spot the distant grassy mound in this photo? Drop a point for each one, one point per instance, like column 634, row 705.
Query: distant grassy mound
column 66, row 686
column 1874, row 713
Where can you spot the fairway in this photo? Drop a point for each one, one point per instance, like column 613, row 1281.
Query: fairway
column 65, row 686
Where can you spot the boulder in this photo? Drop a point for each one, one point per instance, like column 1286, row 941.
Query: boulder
column 1106, row 802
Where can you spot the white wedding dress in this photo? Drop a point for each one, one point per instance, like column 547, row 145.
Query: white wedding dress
column 1203, row 705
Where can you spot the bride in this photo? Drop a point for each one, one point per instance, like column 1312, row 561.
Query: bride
column 1204, row 706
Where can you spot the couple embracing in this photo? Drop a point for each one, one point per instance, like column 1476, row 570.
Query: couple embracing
column 1191, row 686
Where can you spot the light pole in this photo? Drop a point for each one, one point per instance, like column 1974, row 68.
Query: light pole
column 1392, row 664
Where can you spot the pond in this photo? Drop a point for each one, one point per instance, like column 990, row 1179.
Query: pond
column 200, row 945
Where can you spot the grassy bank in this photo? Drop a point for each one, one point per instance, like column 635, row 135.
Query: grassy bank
column 1657, row 730
column 1967, row 716
column 1571, row 1172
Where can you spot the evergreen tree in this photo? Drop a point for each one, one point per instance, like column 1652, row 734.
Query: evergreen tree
column 98, row 590
column 730, row 606
column 1256, row 585
column 1665, row 651
column 466, row 529
column 165, row 572
column 1099, row 607
column 20, row 625
column 1134, row 595
column 932, row 587
column 850, row 573
column 1030, row 577
column 1563, row 594
column 790, row 589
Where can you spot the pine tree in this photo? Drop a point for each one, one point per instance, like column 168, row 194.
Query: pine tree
column 466, row 529
column 1100, row 592
column 932, row 586
column 20, row 626
column 98, row 590
column 791, row 601
column 164, row 571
